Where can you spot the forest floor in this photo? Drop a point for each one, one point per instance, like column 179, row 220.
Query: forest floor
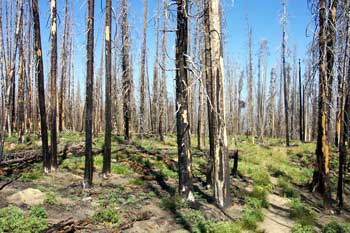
column 270, row 192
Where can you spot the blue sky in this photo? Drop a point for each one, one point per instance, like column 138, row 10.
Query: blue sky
column 263, row 16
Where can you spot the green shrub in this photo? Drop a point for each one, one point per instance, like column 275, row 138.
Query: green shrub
column 13, row 219
column 262, row 178
column 261, row 193
column 254, row 203
column 195, row 220
column 107, row 215
column 300, row 213
column 298, row 228
column 250, row 217
column 335, row 227
column 288, row 189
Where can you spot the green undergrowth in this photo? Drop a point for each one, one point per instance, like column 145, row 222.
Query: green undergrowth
column 15, row 220
column 335, row 227
column 78, row 164
column 197, row 223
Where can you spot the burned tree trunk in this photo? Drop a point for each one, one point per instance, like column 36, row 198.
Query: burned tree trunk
column 321, row 173
column 143, row 70
column 163, row 94
column 344, row 94
column 39, row 71
column 108, row 116
column 62, row 97
column 182, row 123
column 301, row 107
column 155, row 94
column 21, row 81
column 284, row 72
column 53, row 75
column 88, row 174
column 126, row 72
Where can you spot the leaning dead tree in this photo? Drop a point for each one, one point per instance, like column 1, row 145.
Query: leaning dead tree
column 219, row 158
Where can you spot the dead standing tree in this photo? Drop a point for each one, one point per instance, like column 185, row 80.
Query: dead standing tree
column 284, row 70
column 182, row 114
column 106, row 169
column 126, row 72
column 143, row 70
column 220, row 173
column 53, row 75
column 39, row 71
column 321, row 179
column 88, row 174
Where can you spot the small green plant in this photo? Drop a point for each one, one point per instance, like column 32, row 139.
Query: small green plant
column 298, row 228
column 300, row 213
column 335, row 227
column 50, row 198
column 108, row 215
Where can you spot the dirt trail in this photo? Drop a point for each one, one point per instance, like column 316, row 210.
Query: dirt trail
column 277, row 218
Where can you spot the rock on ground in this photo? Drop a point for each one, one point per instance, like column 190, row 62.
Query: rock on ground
column 28, row 196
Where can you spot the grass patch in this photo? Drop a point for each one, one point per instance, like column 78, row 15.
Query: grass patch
column 13, row 219
column 120, row 169
column 138, row 182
